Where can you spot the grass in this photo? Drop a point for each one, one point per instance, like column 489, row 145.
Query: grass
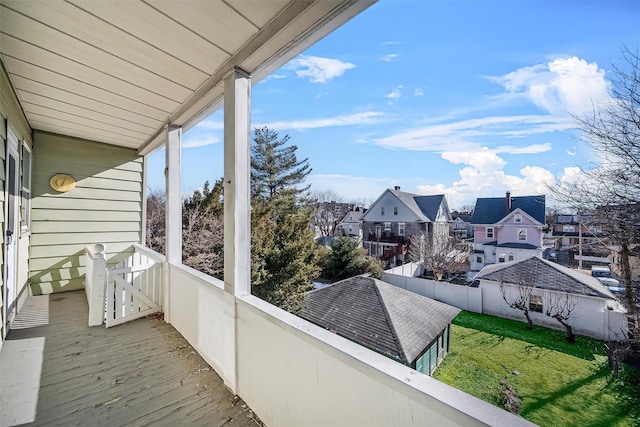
column 559, row 384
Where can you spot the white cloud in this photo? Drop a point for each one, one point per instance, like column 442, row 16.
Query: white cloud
column 389, row 58
column 210, row 124
column 365, row 118
column 418, row 92
column 391, row 43
column 200, row 141
column 464, row 133
column 572, row 153
column 351, row 187
column 562, row 86
column 318, row 69
column 484, row 176
column 395, row 93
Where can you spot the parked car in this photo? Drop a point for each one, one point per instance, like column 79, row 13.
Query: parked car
column 612, row 284
column 599, row 271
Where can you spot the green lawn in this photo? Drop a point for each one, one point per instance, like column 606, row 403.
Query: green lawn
column 559, row 384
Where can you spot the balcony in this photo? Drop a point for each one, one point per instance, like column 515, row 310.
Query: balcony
column 288, row 371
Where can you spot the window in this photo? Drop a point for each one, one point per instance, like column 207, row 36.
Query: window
column 382, row 210
column 501, row 257
column 489, row 232
column 568, row 228
column 25, row 206
column 387, row 226
column 401, row 228
column 511, row 256
column 517, row 218
column 479, row 259
column 395, row 210
column 535, row 303
column 522, row 234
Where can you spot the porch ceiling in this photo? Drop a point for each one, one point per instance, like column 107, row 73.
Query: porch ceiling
column 118, row 71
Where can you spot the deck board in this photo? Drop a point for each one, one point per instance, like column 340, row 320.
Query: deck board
column 55, row 370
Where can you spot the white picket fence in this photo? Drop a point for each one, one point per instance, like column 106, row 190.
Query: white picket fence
column 131, row 289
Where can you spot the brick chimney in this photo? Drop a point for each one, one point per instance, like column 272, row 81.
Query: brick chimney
column 507, row 202
column 397, row 188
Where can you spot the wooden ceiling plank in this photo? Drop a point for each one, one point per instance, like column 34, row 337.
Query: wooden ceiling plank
column 34, row 55
column 89, row 32
column 41, row 94
column 155, row 28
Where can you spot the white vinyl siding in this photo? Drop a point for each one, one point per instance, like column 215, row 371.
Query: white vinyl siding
column 104, row 207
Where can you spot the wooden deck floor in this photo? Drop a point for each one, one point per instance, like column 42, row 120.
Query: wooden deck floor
column 55, row 370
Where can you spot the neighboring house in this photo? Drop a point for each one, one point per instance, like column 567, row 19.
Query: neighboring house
column 596, row 312
column 350, row 224
column 460, row 226
column 572, row 230
column 395, row 216
column 507, row 229
column 328, row 214
column 409, row 328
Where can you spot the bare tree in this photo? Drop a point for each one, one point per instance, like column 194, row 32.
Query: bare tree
column 559, row 306
column 613, row 183
column 439, row 254
column 325, row 219
column 203, row 240
column 155, row 233
column 518, row 297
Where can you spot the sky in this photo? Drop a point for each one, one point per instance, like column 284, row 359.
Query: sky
column 463, row 98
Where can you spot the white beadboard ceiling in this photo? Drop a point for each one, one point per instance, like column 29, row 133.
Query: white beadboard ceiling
column 118, row 71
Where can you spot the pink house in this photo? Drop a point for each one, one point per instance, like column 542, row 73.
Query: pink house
column 507, row 229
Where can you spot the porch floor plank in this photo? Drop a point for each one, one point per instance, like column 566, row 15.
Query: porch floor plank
column 55, row 370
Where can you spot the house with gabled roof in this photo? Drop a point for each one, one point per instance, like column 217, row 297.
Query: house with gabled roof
column 595, row 312
column 507, row 229
column 396, row 215
column 351, row 224
column 404, row 326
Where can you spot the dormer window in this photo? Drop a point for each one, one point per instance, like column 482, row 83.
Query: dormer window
column 517, row 218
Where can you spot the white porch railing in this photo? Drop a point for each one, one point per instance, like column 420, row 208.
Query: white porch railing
column 132, row 289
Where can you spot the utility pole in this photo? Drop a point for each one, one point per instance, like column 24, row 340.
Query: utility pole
column 579, row 240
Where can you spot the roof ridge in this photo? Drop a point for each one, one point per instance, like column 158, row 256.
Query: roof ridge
column 562, row 271
column 387, row 316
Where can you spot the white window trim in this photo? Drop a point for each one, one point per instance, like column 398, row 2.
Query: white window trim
column 520, row 230
column 493, row 233
column 517, row 218
column 387, row 226
column 401, row 229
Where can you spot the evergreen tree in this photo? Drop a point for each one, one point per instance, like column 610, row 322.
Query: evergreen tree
column 284, row 256
column 274, row 165
column 347, row 259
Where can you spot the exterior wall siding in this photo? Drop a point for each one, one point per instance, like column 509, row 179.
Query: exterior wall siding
column 104, row 207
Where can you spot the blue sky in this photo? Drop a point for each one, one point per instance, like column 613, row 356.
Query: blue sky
column 465, row 98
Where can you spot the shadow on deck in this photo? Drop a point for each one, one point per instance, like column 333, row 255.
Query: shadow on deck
column 55, row 370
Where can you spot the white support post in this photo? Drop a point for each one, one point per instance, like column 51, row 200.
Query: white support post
column 96, row 282
column 237, row 211
column 173, row 208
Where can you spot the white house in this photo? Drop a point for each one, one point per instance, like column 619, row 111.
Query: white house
column 396, row 215
column 596, row 312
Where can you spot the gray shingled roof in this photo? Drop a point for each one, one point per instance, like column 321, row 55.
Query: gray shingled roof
column 545, row 274
column 425, row 207
column 490, row 210
column 377, row 315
